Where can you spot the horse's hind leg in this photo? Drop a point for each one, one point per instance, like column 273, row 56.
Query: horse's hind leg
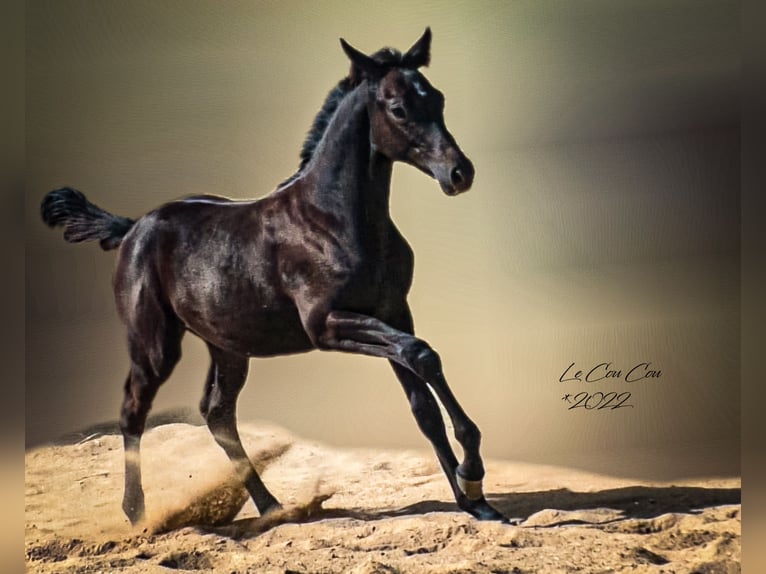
column 139, row 393
column 226, row 378
column 151, row 365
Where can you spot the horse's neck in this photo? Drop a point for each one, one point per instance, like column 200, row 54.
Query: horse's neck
column 346, row 174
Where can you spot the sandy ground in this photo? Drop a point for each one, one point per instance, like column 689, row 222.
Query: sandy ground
column 360, row 511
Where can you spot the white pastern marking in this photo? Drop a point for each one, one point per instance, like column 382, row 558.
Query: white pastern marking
column 471, row 488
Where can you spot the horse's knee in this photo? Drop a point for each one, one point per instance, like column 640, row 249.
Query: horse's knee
column 423, row 360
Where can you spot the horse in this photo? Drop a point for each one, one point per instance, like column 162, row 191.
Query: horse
column 316, row 264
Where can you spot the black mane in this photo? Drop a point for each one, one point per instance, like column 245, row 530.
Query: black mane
column 323, row 117
column 388, row 57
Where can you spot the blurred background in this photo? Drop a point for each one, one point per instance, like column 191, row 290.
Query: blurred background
column 603, row 225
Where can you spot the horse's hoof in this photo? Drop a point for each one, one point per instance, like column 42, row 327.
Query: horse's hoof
column 271, row 509
column 134, row 510
column 134, row 516
column 481, row 510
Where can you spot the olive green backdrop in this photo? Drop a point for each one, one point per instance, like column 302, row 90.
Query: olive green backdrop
column 603, row 225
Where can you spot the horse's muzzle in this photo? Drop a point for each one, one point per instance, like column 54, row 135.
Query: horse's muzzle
column 459, row 177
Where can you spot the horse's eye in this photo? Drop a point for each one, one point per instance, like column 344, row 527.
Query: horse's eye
column 399, row 112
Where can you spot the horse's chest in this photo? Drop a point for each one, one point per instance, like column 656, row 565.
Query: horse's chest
column 380, row 278
column 365, row 270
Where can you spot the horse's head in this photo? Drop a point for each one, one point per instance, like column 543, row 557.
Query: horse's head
column 407, row 114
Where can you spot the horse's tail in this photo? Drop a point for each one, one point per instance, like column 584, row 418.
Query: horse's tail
column 82, row 220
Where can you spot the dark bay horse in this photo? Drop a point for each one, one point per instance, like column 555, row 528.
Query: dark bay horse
column 317, row 264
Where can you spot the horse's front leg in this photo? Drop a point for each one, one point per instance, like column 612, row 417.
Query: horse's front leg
column 351, row 332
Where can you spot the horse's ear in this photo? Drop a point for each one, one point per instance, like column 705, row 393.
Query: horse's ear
column 420, row 53
column 367, row 67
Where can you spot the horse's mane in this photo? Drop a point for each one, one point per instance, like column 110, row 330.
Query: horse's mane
column 388, row 57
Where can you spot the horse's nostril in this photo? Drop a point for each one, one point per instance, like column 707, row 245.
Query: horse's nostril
column 456, row 175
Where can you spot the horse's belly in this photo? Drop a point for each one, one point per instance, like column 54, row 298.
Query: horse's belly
column 250, row 332
column 274, row 335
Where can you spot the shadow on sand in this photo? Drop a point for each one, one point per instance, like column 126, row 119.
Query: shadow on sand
column 632, row 502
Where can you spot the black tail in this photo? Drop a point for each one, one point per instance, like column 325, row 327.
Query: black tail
column 82, row 220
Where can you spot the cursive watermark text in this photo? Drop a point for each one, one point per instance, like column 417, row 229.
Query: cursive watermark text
column 606, row 371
